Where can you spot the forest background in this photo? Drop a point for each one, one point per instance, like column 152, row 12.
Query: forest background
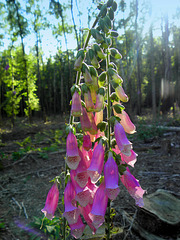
column 39, row 41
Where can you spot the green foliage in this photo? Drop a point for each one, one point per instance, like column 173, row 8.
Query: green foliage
column 145, row 132
column 52, row 228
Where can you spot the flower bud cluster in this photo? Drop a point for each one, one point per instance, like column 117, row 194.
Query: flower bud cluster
column 96, row 161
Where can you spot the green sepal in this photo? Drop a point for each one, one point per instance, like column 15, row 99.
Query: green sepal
column 99, row 51
column 91, row 54
column 78, row 127
column 114, row 34
column 109, row 3
column 113, row 119
column 103, row 139
column 107, row 43
column 79, row 137
column 70, row 128
column 93, row 71
column 113, row 143
column 80, row 53
column 115, row 53
column 84, row 88
column 118, row 108
column 84, row 67
column 114, row 84
column 107, row 21
column 102, row 126
column 111, row 14
column 113, row 65
column 103, row 10
column 122, row 168
column 99, row 6
column 97, row 35
column 75, row 88
column 114, row 97
column 101, row 91
column 102, row 79
column 103, row 25
column 114, row 6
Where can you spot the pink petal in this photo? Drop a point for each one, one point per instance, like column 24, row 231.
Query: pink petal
column 87, row 144
column 76, row 108
column 85, row 121
column 111, row 177
column 130, row 160
column 99, row 206
column 121, row 94
column 133, row 187
column 96, row 165
column 123, row 143
column 51, row 202
column 85, row 212
column 77, row 228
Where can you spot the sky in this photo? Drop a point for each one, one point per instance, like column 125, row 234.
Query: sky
column 49, row 43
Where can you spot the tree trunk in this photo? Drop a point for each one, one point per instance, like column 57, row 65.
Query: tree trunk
column 152, row 74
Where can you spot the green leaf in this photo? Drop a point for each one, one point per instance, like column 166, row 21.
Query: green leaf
column 50, row 228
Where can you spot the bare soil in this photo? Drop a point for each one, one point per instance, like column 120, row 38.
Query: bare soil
column 24, row 183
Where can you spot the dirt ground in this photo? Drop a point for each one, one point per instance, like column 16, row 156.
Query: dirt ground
column 25, row 182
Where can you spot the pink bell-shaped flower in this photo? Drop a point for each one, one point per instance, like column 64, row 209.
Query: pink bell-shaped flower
column 111, row 177
column 51, row 202
column 123, row 143
column 133, row 187
column 85, row 212
column 76, row 107
column 88, row 101
column 77, row 228
column 121, row 94
column 71, row 212
column 128, row 126
column 85, row 121
column 97, row 162
column 72, row 158
column 82, row 194
column 130, row 160
column 92, row 188
column 99, row 206
column 87, row 144
column 81, row 175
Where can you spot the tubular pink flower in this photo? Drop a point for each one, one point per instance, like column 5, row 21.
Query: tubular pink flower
column 99, row 103
column 76, row 108
column 93, row 188
column 87, row 144
column 111, row 177
column 51, row 202
column 85, row 212
column 96, row 165
column 82, row 194
column 85, row 121
column 81, row 176
column 72, row 151
column 133, row 187
column 77, row 228
column 93, row 129
column 128, row 126
column 123, row 143
column 121, row 94
column 88, row 101
column 98, row 117
column 71, row 212
column 99, row 206
column 130, row 160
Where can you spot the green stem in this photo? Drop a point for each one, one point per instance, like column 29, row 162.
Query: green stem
column 109, row 139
